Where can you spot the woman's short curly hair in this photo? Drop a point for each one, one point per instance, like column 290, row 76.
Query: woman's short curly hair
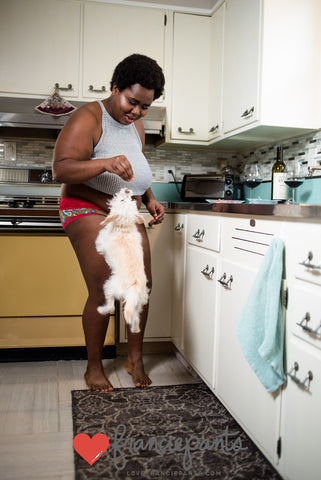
column 139, row 69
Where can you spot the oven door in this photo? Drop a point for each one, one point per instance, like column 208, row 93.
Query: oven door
column 42, row 289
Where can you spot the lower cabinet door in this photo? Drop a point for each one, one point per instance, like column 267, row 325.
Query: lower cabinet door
column 236, row 383
column 301, row 418
column 199, row 310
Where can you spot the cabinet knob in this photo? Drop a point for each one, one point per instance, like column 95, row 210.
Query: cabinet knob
column 224, row 282
column 214, row 129
column 187, row 132
column 304, row 325
column 248, row 113
column 179, row 227
column 307, row 262
column 97, row 90
column 199, row 235
column 302, row 383
column 69, row 86
column 207, row 272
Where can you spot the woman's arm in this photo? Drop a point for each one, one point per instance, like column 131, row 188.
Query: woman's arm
column 74, row 146
column 155, row 208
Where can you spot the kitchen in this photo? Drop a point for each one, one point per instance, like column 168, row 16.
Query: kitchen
column 182, row 152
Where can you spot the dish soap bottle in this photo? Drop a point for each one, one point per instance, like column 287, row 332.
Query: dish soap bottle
column 279, row 189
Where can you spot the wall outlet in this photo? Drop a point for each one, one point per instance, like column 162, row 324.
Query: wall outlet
column 168, row 177
column 10, row 153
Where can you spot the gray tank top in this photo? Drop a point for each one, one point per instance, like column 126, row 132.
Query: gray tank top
column 118, row 139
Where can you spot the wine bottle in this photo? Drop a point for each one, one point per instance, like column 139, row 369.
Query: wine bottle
column 279, row 189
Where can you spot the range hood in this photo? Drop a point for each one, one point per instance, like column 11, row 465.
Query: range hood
column 21, row 113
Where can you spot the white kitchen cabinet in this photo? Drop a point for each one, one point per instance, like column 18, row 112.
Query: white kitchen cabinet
column 199, row 310
column 111, row 33
column 271, row 69
column 301, row 422
column 204, row 231
column 159, row 316
column 241, row 62
column 236, row 383
column 304, row 315
column 216, row 73
column 179, row 226
column 300, row 419
column 244, row 244
column 40, row 46
column 190, row 78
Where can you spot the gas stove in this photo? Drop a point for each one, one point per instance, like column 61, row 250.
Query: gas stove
column 28, row 188
column 29, row 201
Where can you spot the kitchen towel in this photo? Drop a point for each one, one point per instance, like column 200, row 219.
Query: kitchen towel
column 259, row 326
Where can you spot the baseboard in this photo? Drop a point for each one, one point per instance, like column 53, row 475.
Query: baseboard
column 50, row 353
column 148, row 348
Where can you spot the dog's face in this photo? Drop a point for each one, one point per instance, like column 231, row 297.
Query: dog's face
column 123, row 209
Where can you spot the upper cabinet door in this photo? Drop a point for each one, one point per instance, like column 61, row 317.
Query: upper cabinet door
column 216, row 73
column 39, row 46
column 242, row 47
column 191, row 67
column 111, row 33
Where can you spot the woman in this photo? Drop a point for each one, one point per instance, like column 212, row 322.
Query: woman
column 98, row 152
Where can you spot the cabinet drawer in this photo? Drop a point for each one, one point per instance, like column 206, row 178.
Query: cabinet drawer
column 246, row 240
column 305, row 252
column 305, row 314
column 204, row 231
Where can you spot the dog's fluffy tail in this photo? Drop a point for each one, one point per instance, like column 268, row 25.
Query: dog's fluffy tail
column 135, row 300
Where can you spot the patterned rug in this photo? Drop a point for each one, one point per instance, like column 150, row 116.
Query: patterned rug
column 180, row 431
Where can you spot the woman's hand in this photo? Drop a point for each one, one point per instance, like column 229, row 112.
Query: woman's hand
column 121, row 166
column 156, row 210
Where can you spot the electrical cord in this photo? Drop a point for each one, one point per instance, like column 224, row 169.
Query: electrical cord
column 175, row 181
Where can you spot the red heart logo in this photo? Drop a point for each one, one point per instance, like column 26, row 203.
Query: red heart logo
column 91, row 448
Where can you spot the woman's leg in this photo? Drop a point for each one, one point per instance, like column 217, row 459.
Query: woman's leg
column 82, row 234
column 134, row 363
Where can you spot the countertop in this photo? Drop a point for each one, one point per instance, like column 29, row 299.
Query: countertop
column 281, row 210
column 298, row 211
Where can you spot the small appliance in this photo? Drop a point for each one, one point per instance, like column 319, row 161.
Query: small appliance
column 197, row 188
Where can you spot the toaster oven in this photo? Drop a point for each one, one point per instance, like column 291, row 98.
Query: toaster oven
column 197, row 188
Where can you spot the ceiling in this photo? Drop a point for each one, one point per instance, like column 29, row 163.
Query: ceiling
column 197, row 4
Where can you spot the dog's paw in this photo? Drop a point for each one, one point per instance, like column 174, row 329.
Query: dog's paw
column 103, row 310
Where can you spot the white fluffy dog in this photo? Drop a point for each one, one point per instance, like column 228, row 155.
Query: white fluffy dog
column 121, row 244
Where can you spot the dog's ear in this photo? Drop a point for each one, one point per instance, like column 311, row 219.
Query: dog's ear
column 140, row 219
column 108, row 219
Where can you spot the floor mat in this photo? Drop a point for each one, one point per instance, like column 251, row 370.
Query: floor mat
column 180, row 431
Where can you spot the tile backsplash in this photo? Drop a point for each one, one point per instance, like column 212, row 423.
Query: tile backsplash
column 38, row 152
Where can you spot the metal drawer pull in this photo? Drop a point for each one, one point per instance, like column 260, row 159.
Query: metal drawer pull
column 207, row 273
column 304, row 326
column 224, row 282
column 179, row 227
column 199, row 235
column 307, row 263
column 188, row 132
column 301, row 383
column 248, row 113
column 96, row 90
column 69, row 86
column 214, row 129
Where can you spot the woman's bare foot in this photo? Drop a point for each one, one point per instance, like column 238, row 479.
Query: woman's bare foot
column 97, row 381
column 136, row 370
